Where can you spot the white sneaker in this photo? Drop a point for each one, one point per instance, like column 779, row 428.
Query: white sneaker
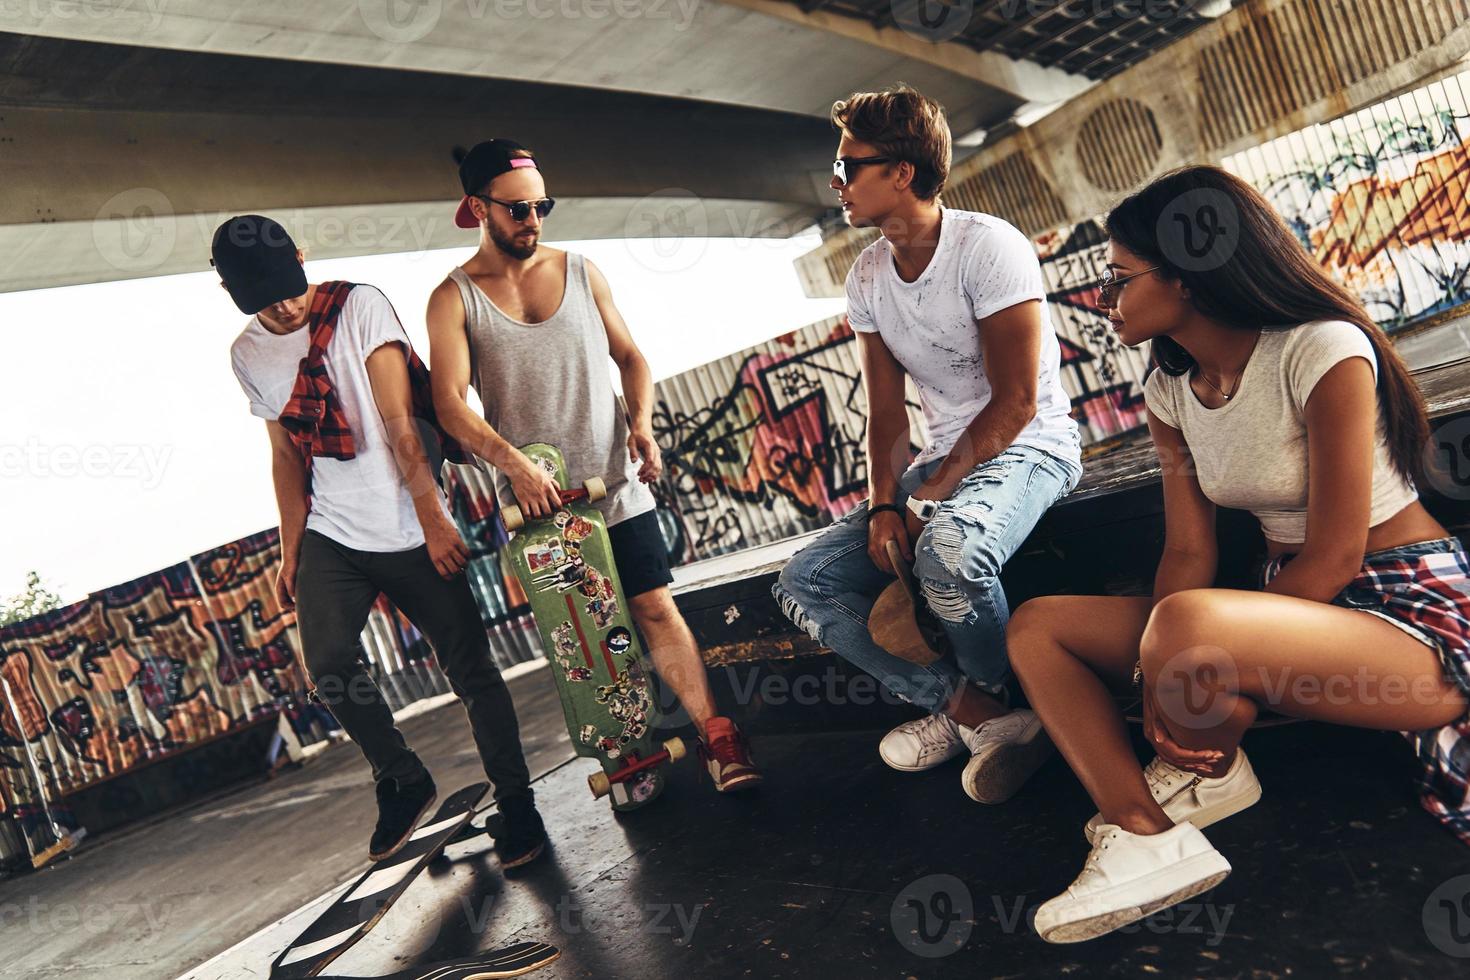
column 1130, row 876
column 924, row 743
column 1201, row 801
column 1004, row 752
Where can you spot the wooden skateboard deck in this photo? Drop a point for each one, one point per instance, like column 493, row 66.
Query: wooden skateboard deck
column 359, row 908
column 565, row 564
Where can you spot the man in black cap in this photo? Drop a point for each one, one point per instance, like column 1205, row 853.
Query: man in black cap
column 533, row 329
column 345, row 399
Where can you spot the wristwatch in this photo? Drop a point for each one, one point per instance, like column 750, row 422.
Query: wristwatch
column 924, row 510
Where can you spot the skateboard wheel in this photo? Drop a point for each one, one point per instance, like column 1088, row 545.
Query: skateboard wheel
column 512, row 518
column 596, row 489
column 675, row 748
column 599, row 784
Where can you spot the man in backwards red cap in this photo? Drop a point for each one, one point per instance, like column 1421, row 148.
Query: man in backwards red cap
column 345, row 399
column 533, row 329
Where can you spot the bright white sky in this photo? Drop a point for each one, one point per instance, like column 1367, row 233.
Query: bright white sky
column 126, row 444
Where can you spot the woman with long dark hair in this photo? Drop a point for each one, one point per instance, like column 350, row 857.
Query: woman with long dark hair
column 1272, row 391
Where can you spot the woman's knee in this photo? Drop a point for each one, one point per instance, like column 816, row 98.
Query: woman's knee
column 1175, row 642
column 1029, row 632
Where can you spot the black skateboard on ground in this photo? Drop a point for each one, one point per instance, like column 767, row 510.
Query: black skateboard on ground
column 359, row 908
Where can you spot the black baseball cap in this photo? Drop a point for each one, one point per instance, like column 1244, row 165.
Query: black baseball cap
column 256, row 259
column 482, row 164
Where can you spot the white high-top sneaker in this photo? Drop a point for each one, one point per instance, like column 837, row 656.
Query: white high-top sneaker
column 1201, row 801
column 1130, row 876
column 923, row 743
column 1004, row 752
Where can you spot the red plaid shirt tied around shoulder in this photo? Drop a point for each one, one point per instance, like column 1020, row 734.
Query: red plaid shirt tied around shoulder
column 314, row 417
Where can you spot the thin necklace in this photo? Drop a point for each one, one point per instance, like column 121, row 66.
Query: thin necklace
column 1233, row 388
column 1222, row 391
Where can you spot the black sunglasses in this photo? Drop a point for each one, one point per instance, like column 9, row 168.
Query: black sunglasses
column 1110, row 285
column 521, row 210
column 842, row 165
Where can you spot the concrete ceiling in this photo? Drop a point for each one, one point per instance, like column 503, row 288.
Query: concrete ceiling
column 129, row 128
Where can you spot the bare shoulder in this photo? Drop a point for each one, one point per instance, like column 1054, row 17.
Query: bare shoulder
column 594, row 274
column 446, row 291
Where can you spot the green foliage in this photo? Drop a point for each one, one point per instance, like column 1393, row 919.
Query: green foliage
column 35, row 600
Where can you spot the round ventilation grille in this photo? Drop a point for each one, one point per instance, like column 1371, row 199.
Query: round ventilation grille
column 1119, row 145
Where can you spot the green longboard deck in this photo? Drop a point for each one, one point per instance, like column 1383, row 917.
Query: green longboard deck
column 565, row 564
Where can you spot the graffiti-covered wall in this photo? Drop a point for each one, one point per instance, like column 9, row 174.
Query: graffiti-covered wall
column 1382, row 198
column 766, row 443
column 1103, row 378
column 152, row 667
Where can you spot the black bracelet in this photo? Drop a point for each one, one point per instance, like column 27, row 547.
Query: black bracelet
column 879, row 508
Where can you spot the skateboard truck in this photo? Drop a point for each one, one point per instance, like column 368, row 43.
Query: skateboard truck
column 601, row 783
column 593, row 490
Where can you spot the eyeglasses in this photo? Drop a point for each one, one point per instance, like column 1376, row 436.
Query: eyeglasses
column 521, row 210
column 1110, row 286
column 841, row 165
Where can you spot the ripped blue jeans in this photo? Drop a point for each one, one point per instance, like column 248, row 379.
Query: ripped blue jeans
column 828, row 588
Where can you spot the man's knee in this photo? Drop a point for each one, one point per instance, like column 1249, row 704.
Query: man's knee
column 791, row 592
column 655, row 609
column 326, row 659
column 796, row 575
column 955, row 562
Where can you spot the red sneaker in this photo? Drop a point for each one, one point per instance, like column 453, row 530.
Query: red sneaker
column 726, row 756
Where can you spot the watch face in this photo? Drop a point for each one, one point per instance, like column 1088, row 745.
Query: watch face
column 923, row 509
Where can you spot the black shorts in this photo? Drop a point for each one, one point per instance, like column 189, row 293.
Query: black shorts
column 640, row 554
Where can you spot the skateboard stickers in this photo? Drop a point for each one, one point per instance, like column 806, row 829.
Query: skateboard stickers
column 639, row 787
column 565, row 648
column 565, row 565
column 545, row 554
column 628, row 703
column 556, row 564
column 577, row 529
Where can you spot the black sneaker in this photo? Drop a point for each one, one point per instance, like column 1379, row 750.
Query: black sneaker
column 520, row 836
column 400, row 807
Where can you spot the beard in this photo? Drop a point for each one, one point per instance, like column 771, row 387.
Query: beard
column 510, row 246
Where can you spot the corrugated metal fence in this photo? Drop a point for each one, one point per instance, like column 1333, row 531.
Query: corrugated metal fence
column 1381, row 197
column 144, row 670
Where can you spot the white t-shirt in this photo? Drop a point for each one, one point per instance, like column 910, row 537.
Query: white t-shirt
column 1251, row 452
column 363, row 502
column 981, row 266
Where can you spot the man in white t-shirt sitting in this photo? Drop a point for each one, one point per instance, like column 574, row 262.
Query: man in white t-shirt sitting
column 347, row 406
column 955, row 301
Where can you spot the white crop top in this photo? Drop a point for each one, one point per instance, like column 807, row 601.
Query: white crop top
column 1251, row 452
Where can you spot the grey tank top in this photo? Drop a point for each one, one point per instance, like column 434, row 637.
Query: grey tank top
column 552, row 382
